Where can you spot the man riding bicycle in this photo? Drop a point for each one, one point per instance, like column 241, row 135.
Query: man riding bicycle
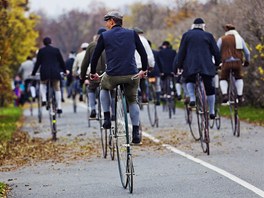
column 195, row 56
column 51, row 63
column 119, row 45
column 232, row 46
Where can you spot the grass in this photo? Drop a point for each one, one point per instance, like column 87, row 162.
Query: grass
column 246, row 113
column 3, row 189
column 8, row 122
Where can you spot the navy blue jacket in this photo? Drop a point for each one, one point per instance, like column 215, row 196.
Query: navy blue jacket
column 165, row 60
column 156, row 70
column 196, row 53
column 51, row 63
column 119, row 45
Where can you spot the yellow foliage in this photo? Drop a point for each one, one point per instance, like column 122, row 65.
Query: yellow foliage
column 17, row 40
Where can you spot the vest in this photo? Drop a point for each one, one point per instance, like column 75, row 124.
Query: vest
column 120, row 51
column 228, row 48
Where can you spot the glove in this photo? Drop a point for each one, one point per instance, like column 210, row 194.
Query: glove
column 246, row 64
column 162, row 77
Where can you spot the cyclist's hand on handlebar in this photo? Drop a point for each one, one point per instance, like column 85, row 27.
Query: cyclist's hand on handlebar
column 94, row 76
column 142, row 74
column 246, row 64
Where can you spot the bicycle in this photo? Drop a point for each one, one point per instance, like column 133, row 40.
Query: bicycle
column 169, row 91
column 39, row 98
column 52, row 107
column 151, row 106
column 233, row 105
column 123, row 147
column 202, row 114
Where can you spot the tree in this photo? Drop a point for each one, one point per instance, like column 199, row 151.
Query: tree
column 17, row 40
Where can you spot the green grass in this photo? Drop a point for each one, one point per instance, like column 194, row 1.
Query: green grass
column 2, row 189
column 246, row 113
column 8, row 119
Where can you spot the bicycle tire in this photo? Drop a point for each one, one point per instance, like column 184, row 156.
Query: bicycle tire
column 189, row 120
column 217, row 118
column 111, row 144
column 74, row 102
column 130, row 173
column 233, row 106
column 152, row 108
column 39, row 107
column 202, row 116
column 103, row 131
column 122, row 137
column 88, row 108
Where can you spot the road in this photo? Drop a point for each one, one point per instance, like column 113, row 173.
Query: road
column 168, row 164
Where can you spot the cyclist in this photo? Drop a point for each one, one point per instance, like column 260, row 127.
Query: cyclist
column 195, row 54
column 92, row 85
column 151, row 62
column 76, row 68
column 165, row 60
column 156, row 73
column 232, row 46
column 24, row 71
column 69, row 63
column 51, row 63
column 120, row 45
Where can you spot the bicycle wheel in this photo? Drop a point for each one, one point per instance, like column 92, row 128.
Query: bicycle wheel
column 39, row 107
column 74, row 102
column 122, row 137
column 102, row 130
column 88, row 107
column 152, row 108
column 111, row 144
column 189, row 120
column 130, row 173
column 217, row 117
column 202, row 117
column 233, row 107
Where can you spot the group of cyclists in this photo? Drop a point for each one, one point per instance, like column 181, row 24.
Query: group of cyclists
column 116, row 54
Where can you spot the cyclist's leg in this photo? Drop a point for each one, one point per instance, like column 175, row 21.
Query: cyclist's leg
column 190, row 85
column 237, row 68
column 43, row 92
column 107, row 83
column 56, row 87
column 92, row 98
column 225, row 69
column 131, row 95
column 210, row 92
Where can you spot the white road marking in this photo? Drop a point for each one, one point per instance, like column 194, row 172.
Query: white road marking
column 205, row 164
column 210, row 166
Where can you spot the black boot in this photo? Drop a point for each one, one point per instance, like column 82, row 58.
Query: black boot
column 107, row 120
column 135, row 135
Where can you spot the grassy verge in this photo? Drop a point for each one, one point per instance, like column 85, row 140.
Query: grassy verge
column 246, row 113
column 8, row 125
column 8, row 122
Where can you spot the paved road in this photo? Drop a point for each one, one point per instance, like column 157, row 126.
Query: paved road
column 173, row 167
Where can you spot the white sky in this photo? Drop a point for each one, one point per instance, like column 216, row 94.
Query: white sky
column 56, row 7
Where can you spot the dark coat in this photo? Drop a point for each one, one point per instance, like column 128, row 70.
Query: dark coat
column 196, row 53
column 165, row 60
column 51, row 63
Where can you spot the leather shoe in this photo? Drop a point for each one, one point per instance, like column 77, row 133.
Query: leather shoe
column 107, row 124
column 59, row 111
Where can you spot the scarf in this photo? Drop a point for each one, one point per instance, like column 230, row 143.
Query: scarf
column 238, row 38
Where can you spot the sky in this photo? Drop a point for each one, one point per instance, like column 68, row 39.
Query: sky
column 54, row 8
